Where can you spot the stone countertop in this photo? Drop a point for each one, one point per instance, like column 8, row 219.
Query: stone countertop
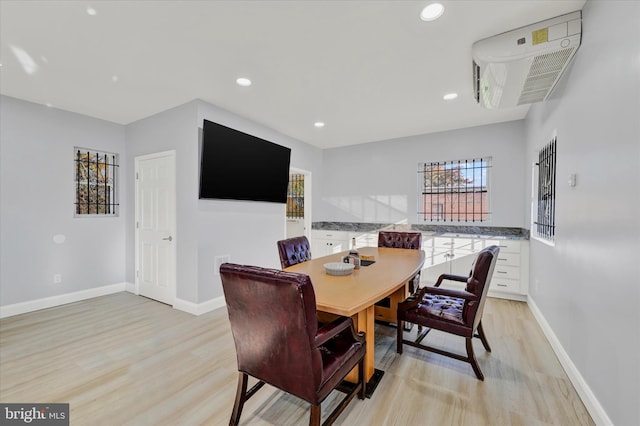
column 435, row 230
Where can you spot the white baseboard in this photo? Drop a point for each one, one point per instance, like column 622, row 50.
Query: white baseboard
column 199, row 308
column 62, row 299
column 590, row 401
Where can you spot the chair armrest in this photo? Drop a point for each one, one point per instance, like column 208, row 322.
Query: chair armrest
column 413, row 300
column 451, row 292
column 450, row 277
column 335, row 327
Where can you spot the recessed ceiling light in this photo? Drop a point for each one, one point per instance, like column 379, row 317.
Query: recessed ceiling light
column 114, row 78
column 432, row 12
column 450, row 96
column 91, row 11
column 243, row 82
column 319, row 124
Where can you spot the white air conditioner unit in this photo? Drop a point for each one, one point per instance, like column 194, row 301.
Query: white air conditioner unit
column 522, row 66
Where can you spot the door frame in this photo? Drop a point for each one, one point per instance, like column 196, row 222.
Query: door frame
column 137, row 160
column 307, row 201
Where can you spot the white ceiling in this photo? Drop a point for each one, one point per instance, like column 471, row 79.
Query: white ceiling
column 371, row 70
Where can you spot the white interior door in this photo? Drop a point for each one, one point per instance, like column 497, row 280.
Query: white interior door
column 155, row 226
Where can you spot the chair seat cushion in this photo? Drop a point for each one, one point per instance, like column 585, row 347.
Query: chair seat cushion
column 442, row 308
column 337, row 352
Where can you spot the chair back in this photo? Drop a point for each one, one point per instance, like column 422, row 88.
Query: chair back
column 479, row 282
column 406, row 240
column 273, row 322
column 293, row 251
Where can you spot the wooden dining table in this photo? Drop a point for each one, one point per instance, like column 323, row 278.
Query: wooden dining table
column 355, row 295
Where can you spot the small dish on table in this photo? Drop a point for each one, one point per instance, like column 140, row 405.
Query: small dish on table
column 338, row 268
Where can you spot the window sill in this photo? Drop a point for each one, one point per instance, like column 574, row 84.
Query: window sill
column 549, row 243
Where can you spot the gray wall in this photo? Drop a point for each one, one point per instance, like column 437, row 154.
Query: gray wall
column 37, row 193
column 377, row 182
column 587, row 286
column 245, row 231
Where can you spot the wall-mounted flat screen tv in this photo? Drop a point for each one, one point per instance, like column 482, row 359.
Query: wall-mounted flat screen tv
column 238, row 166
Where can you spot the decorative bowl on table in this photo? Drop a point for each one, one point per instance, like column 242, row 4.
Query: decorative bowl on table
column 338, row 268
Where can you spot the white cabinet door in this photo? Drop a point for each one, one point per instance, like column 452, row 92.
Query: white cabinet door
column 324, row 243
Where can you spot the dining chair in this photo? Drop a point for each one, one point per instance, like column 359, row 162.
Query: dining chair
column 293, row 251
column 278, row 341
column 405, row 240
column 451, row 310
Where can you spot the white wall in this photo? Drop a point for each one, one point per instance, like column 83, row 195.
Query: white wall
column 377, row 182
column 587, row 286
column 37, row 195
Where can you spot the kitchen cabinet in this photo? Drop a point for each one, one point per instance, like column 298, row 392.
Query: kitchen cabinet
column 324, row 243
column 511, row 274
column 455, row 255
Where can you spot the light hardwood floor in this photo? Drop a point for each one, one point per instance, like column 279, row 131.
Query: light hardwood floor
column 126, row 360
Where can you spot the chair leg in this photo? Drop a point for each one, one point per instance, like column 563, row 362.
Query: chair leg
column 472, row 359
column 240, row 399
column 314, row 419
column 399, row 336
column 363, row 390
column 483, row 338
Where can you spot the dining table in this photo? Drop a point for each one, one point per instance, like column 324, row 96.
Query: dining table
column 371, row 292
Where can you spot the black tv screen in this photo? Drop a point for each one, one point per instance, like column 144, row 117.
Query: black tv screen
column 238, row 166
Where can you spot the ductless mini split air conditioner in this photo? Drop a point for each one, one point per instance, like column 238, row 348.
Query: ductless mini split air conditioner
column 522, row 66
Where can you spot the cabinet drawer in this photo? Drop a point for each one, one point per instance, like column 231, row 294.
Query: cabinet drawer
column 510, row 272
column 505, row 285
column 330, row 235
column 508, row 259
column 506, row 246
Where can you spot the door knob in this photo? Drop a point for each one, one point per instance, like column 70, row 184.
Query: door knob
column 169, row 238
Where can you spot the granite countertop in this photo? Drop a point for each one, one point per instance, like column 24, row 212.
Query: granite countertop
column 435, row 230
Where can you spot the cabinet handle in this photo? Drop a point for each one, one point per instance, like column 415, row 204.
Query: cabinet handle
column 501, row 258
column 501, row 272
column 501, row 285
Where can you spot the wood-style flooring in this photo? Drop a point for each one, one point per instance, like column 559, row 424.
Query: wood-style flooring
column 126, row 360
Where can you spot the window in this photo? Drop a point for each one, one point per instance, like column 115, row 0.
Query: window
column 545, row 202
column 454, row 191
column 95, row 182
column 295, row 196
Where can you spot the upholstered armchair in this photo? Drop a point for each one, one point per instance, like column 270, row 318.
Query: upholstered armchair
column 278, row 341
column 452, row 310
column 293, row 251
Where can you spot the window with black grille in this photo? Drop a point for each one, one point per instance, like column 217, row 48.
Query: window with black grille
column 454, row 191
column 295, row 196
column 96, row 183
column 546, row 193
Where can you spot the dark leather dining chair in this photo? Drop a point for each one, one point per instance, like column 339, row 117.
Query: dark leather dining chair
column 278, row 341
column 405, row 240
column 452, row 310
column 293, row 251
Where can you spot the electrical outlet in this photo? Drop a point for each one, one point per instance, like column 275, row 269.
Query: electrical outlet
column 57, row 278
column 219, row 260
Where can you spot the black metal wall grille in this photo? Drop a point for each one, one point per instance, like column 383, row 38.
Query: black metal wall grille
column 454, row 191
column 95, row 183
column 295, row 197
column 545, row 224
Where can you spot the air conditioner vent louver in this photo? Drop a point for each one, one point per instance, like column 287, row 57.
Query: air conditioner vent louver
column 543, row 74
column 523, row 66
column 476, row 81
